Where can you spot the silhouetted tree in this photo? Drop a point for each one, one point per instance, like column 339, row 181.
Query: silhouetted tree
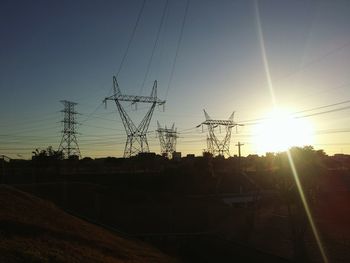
column 47, row 154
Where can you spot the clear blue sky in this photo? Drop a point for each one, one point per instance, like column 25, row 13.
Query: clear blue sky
column 56, row 50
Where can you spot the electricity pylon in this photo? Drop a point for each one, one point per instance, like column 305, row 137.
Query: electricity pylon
column 69, row 144
column 214, row 144
column 136, row 140
column 167, row 139
column 210, row 148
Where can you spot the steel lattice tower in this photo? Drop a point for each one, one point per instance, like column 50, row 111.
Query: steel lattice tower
column 210, row 148
column 136, row 140
column 167, row 139
column 69, row 144
column 214, row 144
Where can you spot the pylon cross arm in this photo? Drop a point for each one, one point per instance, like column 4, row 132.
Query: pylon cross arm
column 220, row 122
column 136, row 136
column 142, row 99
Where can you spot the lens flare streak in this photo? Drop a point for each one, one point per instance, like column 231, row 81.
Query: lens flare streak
column 291, row 162
column 306, row 207
column 263, row 53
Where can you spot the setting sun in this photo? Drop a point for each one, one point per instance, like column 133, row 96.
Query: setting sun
column 280, row 130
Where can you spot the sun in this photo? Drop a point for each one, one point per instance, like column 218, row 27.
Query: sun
column 279, row 131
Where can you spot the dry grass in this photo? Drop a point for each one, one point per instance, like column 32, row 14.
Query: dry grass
column 34, row 230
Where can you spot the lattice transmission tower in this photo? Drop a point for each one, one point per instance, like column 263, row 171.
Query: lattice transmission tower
column 167, row 139
column 69, row 144
column 215, row 145
column 136, row 140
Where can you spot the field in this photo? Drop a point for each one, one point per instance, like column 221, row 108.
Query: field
column 34, row 230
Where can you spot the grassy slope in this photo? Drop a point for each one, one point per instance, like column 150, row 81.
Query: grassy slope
column 34, row 230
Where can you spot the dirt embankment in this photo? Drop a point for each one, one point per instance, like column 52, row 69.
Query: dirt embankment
column 34, row 230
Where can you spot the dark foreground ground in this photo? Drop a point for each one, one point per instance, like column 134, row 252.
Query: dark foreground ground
column 34, row 230
column 182, row 209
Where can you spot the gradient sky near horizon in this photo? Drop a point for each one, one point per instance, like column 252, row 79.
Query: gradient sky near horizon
column 69, row 50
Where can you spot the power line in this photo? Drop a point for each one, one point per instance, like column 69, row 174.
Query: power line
column 322, row 107
column 91, row 114
column 131, row 37
column 189, row 132
column 101, row 118
column 101, row 127
column 192, row 128
column 314, row 61
column 154, row 46
column 258, row 121
column 177, row 48
column 323, row 112
column 35, row 129
column 28, row 121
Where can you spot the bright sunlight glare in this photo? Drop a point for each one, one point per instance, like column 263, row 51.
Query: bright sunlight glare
column 280, row 130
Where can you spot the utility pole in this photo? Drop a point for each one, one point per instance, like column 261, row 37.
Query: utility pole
column 239, row 144
column 167, row 139
column 214, row 144
column 3, row 159
column 69, row 144
column 136, row 140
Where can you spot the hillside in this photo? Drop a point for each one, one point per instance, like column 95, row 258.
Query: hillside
column 34, row 230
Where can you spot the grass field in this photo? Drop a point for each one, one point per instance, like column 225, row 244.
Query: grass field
column 34, row 230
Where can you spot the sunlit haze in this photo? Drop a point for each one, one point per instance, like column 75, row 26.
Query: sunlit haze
column 211, row 55
column 279, row 130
